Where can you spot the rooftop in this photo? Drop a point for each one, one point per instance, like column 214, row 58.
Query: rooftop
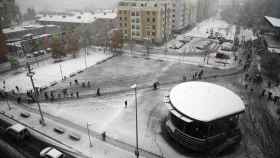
column 275, row 22
column 24, row 27
column 17, row 127
column 204, row 101
column 78, row 17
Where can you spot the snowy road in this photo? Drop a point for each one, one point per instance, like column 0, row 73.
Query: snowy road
column 50, row 72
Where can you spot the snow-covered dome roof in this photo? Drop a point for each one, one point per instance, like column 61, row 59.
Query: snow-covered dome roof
column 204, row 101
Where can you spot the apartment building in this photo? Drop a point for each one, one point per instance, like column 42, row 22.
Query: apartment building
column 9, row 13
column 145, row 19
column 184, row 14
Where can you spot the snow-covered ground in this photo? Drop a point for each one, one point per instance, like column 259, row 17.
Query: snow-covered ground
column 50, row 72
column 203, row 29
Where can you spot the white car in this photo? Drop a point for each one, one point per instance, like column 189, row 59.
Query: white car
column 50, row 152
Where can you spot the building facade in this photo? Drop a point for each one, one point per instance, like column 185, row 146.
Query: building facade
column 9, row 13
column 145, row 19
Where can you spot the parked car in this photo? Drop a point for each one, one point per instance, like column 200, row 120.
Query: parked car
column 18, row 132
column 50, row 152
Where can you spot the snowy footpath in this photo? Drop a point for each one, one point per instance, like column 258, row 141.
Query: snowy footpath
column 48, row 73
column 80, row 148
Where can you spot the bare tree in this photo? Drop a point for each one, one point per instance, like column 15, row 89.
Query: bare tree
column 148, row 46
column 131, row 45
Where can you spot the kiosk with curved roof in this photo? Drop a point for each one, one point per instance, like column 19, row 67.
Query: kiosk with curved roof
column 203, row 115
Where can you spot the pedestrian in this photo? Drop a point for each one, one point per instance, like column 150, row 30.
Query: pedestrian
column 263, row 93
column 19, row 100
column 269, row 84
column 98, row 92
column 275, row 99
column 77, row 94
column 58, row 95
column 155, row 86
column 125, row 103
column 52, row 96
column 269, row 96
column 104, row 136
column 83, row 84
column 88, row 84
column 17, row 89
column 184, row 78
column 64, row 91
column 46, row 95
column 76, row 81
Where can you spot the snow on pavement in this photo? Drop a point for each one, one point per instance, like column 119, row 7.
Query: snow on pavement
column 46, row 74
column 203, row 29
column 100, row 149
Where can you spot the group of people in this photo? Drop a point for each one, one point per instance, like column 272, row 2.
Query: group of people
column 195, row 76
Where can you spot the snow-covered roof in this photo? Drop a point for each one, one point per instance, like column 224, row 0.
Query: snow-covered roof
column 53, row 153
column 77, row 17
column 17, row 127
column 275, row 22
column 24, row 27
column 204, row 101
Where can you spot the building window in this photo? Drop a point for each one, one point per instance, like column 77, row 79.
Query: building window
column 137, row 33
column 154, row 13
column 148, row 19
column 148, row 13
column 125, row 24
column 154, row 19
column 148, row 33
column 125, row 31
column 142, row 5
column 137, row 27
column 125, row 18
column 120, row 12
column 133, row 26
column 120, row 24
column 120, row 18
column 137, row 13
column 154, row 27
column 133, row 20
column 153, row 33
column 125, row 12
column 155, row 5
column 137, row 20
column 133, row 14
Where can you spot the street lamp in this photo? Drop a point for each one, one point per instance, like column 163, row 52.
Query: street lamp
column 135, row 92
column 90, row 144
column 7, row 100
column 30, row 74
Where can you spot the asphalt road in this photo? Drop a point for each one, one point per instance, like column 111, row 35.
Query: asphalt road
column 30, row 147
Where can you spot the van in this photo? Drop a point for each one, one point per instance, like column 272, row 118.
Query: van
column 18, row 132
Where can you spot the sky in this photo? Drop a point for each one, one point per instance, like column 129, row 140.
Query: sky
column 60, row 5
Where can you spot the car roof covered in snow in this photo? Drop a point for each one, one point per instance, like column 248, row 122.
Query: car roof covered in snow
column 275, row 22
column 17, row 127
column 54, row 153
column 205, row 102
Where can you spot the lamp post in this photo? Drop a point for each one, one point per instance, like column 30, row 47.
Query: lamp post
column 90, row 144
column 135, row 93
column 60, row 68
column 6, row 96
column 30, row 74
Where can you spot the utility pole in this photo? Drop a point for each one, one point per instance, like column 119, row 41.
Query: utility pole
column 165, row 24
column 135, row 93
column 6, row 95
column 60, row 68
column 30, row 74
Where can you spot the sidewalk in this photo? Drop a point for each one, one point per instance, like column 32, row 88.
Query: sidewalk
column 100, row 148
